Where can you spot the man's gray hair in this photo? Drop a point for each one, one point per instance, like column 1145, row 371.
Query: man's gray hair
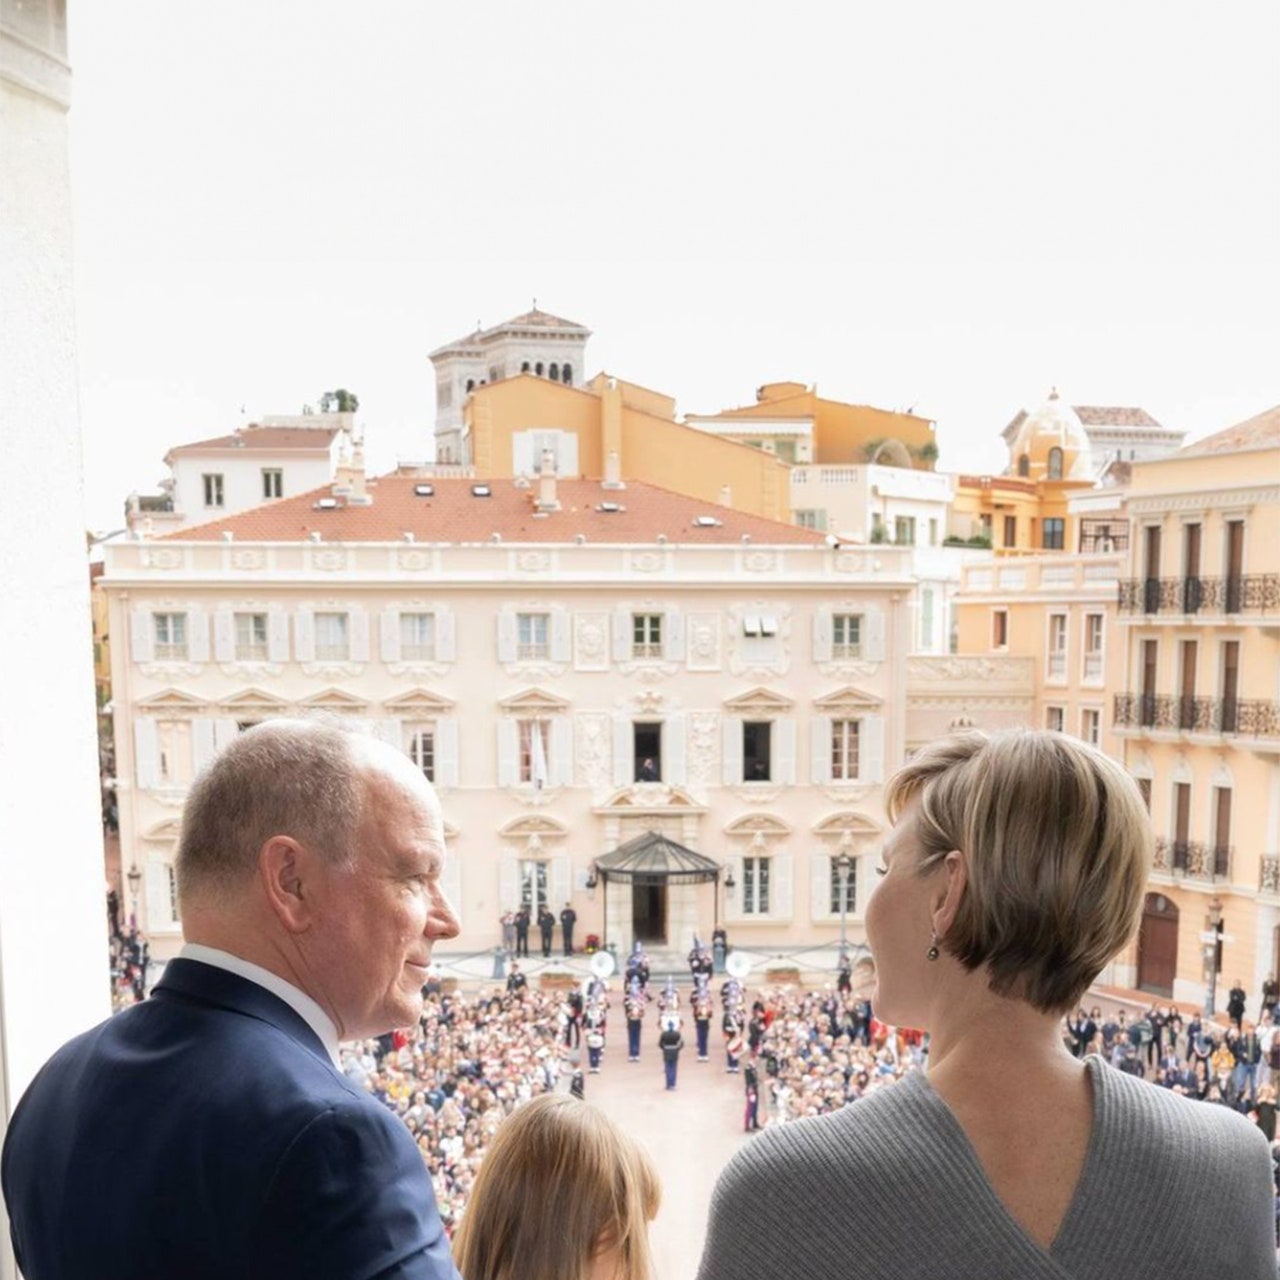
column 299, row 778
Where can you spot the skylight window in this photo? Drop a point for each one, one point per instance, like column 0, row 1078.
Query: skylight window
column 707, row 522
column 424, row 490
column 326, row 504
column 609, row 507
column 481, row 491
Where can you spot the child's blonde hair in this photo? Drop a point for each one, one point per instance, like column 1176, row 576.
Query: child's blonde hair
column 560, row 1183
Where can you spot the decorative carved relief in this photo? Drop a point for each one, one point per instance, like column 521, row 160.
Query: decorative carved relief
column 332, row 669
column 848, row 669
column 418, row 669
column 649, row 700
column 966, row 668
column 250, row 669
column 591, row 641
column 850, row 793
column 855, row 562
column 536, row 672
column 161, row 558
column 702, row 636
column 169, row 670
column 702, row 748
column 592, row 750
column 758, row 792
column 646, row 561
column 533, row 561
column 760, row 561
column 330, row 560
column 413, row 561
column 246, row 558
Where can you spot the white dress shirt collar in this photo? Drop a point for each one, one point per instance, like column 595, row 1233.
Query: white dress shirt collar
column 297, row 1000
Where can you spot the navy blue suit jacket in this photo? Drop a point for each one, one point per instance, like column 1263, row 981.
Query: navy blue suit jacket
column 206, row 1133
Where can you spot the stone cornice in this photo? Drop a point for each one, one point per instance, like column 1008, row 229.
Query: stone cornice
column 1203, row 499
column 28, row 66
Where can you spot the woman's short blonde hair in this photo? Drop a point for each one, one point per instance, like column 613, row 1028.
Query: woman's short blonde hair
column 1057, row 843
column 559, row 1183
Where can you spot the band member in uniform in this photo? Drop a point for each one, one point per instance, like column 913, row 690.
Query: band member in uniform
column 702, row 1010
column 671, row 1042
column 522, row 931
column 568, row 918
column 634, row 1008
column 546, row 924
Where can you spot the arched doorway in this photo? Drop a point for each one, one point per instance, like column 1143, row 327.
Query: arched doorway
column 1158, row 945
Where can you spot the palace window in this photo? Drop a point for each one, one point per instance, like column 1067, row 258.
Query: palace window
column 417, row 637
column 212, row 490
column 272, row 482
column 331, row 637
column 170, row 636
column 755, row 886
column 846, row 635
column 844, row 750
column 532, row 635
column 646, row 631
column 251, row 637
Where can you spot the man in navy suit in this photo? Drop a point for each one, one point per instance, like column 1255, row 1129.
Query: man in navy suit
column 208, row 1131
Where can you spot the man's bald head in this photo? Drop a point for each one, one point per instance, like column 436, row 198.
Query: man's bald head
column 298, row 778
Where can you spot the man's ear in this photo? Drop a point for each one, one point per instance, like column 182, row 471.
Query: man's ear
column 950, row 896
column 287, row 873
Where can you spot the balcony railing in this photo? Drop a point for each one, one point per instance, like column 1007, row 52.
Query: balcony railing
column 1243, row 717
column 1188, row 596
column 1193, row 859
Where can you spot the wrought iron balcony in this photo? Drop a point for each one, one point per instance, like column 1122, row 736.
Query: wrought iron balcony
column 1193, row 595
column 1193, row 859
column 1242, row 717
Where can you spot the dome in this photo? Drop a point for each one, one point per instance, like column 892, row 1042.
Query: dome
column 1051, row 444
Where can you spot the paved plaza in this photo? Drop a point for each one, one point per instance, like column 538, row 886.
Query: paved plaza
column 690, row 1133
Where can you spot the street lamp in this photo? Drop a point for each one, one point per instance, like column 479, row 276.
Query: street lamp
column 134, row 878
column 844, row 864
column 1215, row 953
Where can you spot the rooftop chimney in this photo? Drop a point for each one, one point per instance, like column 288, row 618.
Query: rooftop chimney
column 547, row 500
column 613, row 471
column 726, row 496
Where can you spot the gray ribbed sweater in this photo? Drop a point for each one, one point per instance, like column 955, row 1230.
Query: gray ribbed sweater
column 891, row 1187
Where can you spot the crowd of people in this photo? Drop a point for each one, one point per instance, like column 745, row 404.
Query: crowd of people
column 128, row 957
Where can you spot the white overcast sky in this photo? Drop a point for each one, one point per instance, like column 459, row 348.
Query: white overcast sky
column 951, row 206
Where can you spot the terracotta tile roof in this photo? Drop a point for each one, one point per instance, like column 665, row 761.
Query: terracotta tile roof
column 453, row 514
column 275, row 439
column 1098, row 416
column 1260, row 432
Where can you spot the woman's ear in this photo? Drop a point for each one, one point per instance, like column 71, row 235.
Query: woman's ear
column 951, row 893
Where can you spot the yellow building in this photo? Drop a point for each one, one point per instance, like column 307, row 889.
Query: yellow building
column 1028, row 508
column 616, row 430
column 794, row 423
column 1198, row 710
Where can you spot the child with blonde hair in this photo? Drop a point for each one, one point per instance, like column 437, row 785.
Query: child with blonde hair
column 563, row 1194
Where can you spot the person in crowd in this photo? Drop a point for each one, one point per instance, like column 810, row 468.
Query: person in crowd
column 508, row 922
column 568, row 918
column 595, row 1046
column 563, row 1194
column 523, row 916
column 1270, row 996
column 517, row 983
column 670, row 1042
column 1235, row 1003
column 546, row 927
column 209, row 1131
column 1014, row 872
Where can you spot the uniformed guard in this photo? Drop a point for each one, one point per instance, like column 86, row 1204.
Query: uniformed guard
column 633, row 1005
column 702, row 1010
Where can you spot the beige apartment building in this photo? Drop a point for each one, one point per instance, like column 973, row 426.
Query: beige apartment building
column 1197, row 708
column 575, row 664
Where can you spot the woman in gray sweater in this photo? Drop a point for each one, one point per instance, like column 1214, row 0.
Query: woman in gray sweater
column 1014, row 872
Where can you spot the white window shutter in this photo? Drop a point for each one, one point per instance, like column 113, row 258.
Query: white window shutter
column 820, row 749
column 446, row 636
column 873, row 645
column 508, row 753
column 784, row 751
column 304, row 635
column 224, row 730
column 559, row 637
column 780, row 890
column 731, row 749
column 871, row 749
column 390, row 731
column 508, row 883
column 451, row 881
column 561, row 751
column 507, row 636
column 673, row 749
column 624, row 748
column 623, row 633
column 733, row 901
column 358, row 624
column 673, row 636
column 197, row 635
column 224, row 635
column 389, row 635
column 203, row 747
column 277, row 635
column 142, row 635
column 522, row 460
column 447, row 752
column 159, row 904
column 560, row 884
column 819, row 885
column 822, row 636
column 146, row 753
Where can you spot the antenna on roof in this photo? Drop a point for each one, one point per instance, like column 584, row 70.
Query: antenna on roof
column 535, row 304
